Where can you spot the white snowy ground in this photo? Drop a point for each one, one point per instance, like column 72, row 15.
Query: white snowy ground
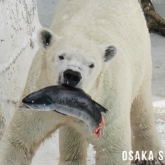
column 158, row 82
column 48, row 153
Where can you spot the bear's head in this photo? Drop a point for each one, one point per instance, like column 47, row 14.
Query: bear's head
column 73, row 59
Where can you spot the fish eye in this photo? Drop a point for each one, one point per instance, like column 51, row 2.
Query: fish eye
column 91, row 66
column 61, row 57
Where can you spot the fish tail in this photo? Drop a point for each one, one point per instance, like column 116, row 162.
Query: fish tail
column 100, row 108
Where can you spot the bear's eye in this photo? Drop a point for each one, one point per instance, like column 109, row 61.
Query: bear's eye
column 61, row 57
column 91, row 66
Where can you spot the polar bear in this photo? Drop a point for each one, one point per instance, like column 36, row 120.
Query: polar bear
column 102, row 47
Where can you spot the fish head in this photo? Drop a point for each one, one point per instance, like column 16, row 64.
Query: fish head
column 40, row 100
column 74, row 58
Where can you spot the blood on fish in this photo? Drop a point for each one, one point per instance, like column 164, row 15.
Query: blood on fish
column 98, row 130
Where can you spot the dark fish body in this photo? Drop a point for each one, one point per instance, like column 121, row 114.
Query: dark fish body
column 69, row 101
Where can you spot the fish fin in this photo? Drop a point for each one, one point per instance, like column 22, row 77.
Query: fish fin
column 100, row 108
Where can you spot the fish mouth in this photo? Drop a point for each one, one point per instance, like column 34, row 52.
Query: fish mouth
column 24, row 106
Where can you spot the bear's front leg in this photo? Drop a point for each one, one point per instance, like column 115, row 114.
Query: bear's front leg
column 73, row 147
column 115, row 138
column 24, row 135
column 145, row 137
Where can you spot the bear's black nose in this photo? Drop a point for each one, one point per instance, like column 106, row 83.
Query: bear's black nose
column 71, row 77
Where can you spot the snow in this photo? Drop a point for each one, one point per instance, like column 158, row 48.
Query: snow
column 48, row 153
column 24, row 51
column 45, row 9
column 18, row 45
column 7, row 64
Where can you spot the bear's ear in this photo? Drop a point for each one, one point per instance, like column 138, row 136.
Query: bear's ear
column 45, row 38
column 110, row 52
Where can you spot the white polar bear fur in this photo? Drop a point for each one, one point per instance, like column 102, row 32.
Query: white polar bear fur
column 122, row 85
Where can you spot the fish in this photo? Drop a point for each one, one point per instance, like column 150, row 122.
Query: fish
column 68, row 101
